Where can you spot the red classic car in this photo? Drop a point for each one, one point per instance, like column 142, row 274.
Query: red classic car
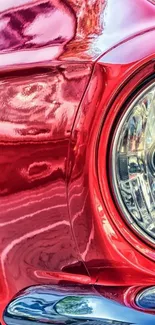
column 77, row 162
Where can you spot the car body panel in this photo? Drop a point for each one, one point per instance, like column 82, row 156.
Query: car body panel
column 110, row 257
column 38, row 32
column 60, row 65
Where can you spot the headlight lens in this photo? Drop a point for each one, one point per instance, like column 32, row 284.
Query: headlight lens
column 133, row 163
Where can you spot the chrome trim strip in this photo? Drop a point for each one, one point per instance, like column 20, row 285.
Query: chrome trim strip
column 70, row 305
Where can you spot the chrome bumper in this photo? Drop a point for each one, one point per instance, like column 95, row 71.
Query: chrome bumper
column 70, row 306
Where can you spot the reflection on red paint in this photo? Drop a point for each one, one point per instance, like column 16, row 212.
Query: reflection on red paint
column 41, row 106
column 37, row 112
column 44, row 30
column 35, row 25
column 111, row 259
column 54, row 223
column 101, row 28
column 63, row 277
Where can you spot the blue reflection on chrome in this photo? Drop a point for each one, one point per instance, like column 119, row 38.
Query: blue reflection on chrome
column 63, row 305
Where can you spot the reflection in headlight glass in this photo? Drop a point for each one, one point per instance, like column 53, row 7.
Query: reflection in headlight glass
column 134, row 163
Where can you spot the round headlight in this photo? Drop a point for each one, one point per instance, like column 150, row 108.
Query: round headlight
column 133, row 163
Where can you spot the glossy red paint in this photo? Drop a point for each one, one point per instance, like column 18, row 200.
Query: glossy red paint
column 36, row 116
column 39, row 32
column 61, row 64
column 109, row 256
column 124, row 295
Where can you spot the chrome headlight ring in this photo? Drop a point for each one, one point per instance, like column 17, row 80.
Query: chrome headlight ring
column 133, row 163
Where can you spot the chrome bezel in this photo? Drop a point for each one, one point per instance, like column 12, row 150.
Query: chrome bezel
column 115, row 144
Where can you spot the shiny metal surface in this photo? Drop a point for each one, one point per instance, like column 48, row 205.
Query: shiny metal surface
column 55, row 226
column 41, row 104
column 111, row 252
column 146, row 299
column 133, row 163
column 38, row 107
column 70, row 305
column 77, row 30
